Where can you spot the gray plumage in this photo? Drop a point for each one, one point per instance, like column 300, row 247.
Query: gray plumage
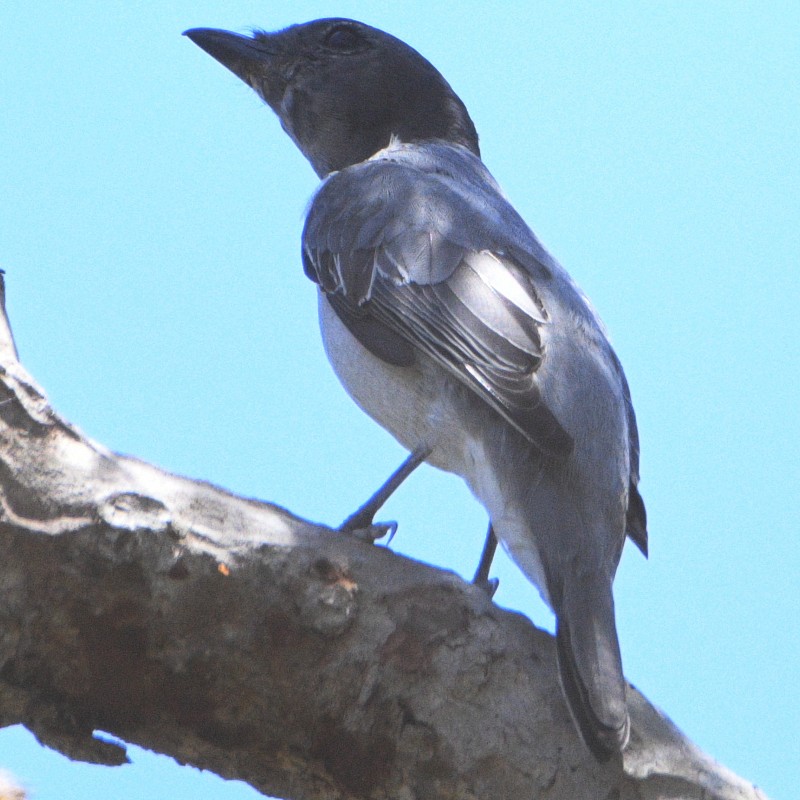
column 449, row 323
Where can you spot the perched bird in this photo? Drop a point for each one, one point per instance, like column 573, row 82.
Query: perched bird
column 450, row 324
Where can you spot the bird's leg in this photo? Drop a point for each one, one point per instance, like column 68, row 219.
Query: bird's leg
column 360, row 523
column 482, row 579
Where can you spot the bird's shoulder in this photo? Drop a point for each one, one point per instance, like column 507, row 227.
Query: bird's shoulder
column 426, row 205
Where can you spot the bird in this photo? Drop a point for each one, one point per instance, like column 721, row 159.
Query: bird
column 450, row 324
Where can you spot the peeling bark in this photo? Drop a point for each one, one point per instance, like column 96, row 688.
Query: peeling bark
column 234, row 636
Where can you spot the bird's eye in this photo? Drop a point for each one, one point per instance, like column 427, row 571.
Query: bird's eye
column 343, row 37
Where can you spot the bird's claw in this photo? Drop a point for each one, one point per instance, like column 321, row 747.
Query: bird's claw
column 368, row 531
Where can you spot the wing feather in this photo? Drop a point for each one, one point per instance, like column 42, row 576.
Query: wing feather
column 397, row 268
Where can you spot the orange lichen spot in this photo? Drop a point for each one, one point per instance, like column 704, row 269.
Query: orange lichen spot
column 334, row 573
column 347, row 583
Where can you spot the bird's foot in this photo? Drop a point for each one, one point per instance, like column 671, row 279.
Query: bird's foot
column 489, row 585
column 364, row 529
column 361, row 523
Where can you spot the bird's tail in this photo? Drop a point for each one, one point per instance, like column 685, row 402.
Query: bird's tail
column 590, row 669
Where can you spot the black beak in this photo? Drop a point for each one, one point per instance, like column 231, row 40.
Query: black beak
column 240, row 54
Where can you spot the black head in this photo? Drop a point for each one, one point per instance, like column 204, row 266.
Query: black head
column 342, row 89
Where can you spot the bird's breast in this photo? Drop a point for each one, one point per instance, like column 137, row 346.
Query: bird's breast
column 416, row 404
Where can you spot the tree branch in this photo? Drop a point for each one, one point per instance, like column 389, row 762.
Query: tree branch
column 234, row 636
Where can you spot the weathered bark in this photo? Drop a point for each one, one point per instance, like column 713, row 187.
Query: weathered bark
column 231, row 635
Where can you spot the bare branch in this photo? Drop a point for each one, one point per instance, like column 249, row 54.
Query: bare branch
column 236, row 637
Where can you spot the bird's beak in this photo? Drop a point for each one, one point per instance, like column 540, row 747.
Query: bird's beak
column 252, row 60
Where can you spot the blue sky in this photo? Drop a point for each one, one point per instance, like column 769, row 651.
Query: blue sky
column 150, row 214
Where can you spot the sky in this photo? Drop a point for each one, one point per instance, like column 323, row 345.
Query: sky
column 150, row 218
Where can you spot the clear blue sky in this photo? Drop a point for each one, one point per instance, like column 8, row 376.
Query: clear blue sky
column 150, row 214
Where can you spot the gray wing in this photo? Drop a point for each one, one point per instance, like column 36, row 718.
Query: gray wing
column 411, row 265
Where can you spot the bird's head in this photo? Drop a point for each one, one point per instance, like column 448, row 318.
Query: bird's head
column 342, row 89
